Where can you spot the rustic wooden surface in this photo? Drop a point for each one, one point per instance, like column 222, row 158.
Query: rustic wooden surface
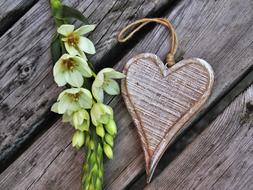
column 11, row 11
column 221, row 157
column 218, row 31
column 161, row 100
column 26, row 68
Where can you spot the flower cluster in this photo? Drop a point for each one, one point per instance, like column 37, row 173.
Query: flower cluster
column 79, row 106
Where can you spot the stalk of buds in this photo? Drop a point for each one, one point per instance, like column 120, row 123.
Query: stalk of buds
column 80, row 105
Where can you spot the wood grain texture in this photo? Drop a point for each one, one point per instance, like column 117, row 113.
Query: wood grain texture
column 197, row 24
column 11, row 11
column 220, row 32
column 220, row 158
column 161, row 100
column 27, row 89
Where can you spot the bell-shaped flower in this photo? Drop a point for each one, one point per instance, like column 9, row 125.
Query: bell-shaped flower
column 104, row 81
column 71, row 69
column 101, row 114
column 72, row 100
column 78, row 139
column 74, row 41
column 80, row 119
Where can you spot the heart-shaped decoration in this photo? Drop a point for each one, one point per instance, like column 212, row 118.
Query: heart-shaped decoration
column 161, row 100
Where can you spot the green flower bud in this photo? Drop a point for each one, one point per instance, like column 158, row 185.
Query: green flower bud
column 91, row 144
column 98, row 184
column 87, row 142
column 91, row 187
column 95, row 167
column 56, row 4
column 108, row 151
column 111, row 127
column 109, row 139
column 100, row 131
column 100, row 173
column 99, row 150
column 78, row 139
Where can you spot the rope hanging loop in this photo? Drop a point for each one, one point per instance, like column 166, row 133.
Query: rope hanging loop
column 137, row 25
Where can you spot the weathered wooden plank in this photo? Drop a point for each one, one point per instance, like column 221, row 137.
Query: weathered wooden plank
column 129, row 161
column 11, row 11
column 27, row 89
column 229, row 53
column 221, row 157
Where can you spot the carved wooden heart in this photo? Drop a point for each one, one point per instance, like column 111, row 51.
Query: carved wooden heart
column 161, row 100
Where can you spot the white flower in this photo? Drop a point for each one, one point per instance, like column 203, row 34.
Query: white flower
column 74, row 42
column 71, row 69
column 101, row 114
column 80, row 119
column 72, row 100
column 104, row 82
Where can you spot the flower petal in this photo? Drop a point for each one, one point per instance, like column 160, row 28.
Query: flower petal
column 60, row 79
column 98, row 93
column 84, row 70
column 77, row 119
column 78, row 139
column 83, row 67
column 86, row 92
column 54, row 107
column 71, row 49
column 99, row 80
column 95, row 114
column 106, row 70
column 75, row 78
column 85, row 29
column 66, row 117
column 63, row 104
column 108, row 109
column 65, row 29
column 58, row 67
column 111, row 87
column 86, row 45
column 114, row 75
column 85, row 100
column 58, row 72
column 72, row 90
column 74, row 106
column 83, row 127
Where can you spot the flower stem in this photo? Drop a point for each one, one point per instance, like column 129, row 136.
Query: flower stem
column 93, row 169
column 56, row 7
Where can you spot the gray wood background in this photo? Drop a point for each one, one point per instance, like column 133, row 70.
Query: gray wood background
column 214, row 153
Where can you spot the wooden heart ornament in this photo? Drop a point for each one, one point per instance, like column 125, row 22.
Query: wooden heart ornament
column 161, row 100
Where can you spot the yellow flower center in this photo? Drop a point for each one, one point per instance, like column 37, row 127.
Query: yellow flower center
column 75, row 97
column 72, row 39
column 69, row 64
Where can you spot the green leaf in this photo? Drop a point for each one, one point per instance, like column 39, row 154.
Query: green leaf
column 56, row 49
column 68, row 12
